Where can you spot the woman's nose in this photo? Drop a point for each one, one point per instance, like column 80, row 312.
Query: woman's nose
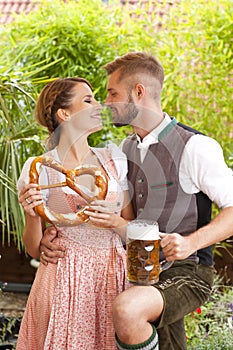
column 97, row 103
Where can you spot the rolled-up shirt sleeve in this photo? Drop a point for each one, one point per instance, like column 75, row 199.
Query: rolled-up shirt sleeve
column 203, row 168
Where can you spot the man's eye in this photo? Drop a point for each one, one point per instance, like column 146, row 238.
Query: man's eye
column 88, row 101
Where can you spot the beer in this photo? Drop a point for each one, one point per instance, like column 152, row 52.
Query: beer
column 143, row 246
column 143, row 261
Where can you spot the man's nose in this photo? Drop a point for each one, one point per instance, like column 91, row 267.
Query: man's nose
column 107, row 101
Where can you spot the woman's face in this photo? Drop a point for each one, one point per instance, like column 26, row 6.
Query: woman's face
column 85, row 111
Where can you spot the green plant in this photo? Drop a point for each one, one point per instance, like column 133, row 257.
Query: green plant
column 19, row 138
column 194, row 45
column 196, row 49
column 211, row 326
column 8, row 326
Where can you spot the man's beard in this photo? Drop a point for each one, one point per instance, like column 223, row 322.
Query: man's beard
column 128, row 114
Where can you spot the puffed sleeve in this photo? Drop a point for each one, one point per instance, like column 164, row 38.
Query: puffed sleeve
column 120, row 162
column 24, row 176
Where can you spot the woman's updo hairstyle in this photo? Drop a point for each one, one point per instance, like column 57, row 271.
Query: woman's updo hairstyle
column 55, row 95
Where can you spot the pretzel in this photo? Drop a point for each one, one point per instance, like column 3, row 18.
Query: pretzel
column 69, row 219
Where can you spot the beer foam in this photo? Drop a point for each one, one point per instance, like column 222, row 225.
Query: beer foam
column 142, row 230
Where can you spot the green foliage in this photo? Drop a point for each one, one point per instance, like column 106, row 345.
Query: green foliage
column 194, row 45
column 196, row 50
column 19, row 138
column 76, row 38
column 211, row 326
column 84, row 34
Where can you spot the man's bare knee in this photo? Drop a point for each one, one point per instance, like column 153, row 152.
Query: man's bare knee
column 131, row 312
column 133, row 304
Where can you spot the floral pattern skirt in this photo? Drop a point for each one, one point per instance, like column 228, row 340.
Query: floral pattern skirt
column 70, row 304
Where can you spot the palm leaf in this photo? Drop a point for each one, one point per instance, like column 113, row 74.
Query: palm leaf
column 20, row 138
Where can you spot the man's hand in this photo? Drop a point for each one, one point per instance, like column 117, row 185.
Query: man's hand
column 50, row 250
column 175, row 246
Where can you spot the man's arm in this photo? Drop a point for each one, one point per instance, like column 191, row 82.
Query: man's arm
column 177, row 247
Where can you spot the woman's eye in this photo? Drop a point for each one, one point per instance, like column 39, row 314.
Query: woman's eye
column 88, row 101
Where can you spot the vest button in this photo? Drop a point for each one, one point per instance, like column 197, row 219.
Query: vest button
column 141, row 195
column 140, row 181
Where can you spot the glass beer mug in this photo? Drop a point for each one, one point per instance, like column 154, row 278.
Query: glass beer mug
column 143, row 246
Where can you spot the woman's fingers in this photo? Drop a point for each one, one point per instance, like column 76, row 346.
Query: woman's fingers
column 107, row 220
column 97, row 215
column 104, row 206
column 29, row 198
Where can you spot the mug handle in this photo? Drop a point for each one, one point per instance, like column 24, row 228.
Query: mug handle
column 164, row 265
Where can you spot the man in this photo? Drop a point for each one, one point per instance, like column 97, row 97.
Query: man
column 174, row 174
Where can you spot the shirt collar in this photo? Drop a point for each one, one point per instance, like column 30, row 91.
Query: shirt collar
column 152, row 137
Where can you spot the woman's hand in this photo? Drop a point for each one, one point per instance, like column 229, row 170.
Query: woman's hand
column 29, row 198
column 104, row 214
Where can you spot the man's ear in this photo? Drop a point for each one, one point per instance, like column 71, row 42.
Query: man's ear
column 62, row 114
column 139, row 90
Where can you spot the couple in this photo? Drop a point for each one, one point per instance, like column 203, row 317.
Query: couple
column 83, row 301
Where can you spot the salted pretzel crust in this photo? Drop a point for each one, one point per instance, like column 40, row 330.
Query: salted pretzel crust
column 70, row 219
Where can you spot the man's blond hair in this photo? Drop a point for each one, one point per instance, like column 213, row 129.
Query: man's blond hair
column 136, row 63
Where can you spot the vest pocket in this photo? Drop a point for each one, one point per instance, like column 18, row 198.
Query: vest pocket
column 162, row 185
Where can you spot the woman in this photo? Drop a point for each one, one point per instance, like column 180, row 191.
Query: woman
column 69, row 306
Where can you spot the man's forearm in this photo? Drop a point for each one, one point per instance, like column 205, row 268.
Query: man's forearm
column 178, row 247
column 219, row 229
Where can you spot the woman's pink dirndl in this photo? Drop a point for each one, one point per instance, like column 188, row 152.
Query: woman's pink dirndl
column 70, row 304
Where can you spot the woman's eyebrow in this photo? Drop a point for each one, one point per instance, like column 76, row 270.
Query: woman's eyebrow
column 89, row 96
